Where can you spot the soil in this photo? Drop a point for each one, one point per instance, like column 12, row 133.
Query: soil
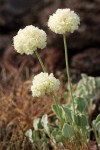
column 17, row 107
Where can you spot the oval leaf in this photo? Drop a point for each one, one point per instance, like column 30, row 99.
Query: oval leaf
column 67, row 131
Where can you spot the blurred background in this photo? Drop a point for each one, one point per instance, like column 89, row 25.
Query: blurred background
column 16, row 71
column 83, row 45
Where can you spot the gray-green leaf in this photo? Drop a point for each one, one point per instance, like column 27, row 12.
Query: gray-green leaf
column 58, row 110
column 81, row 120
column 36, row 123
column 56, row 135
column 44, row 122
column 68, row 116
column 81, row 104
column 97, row 119
column 67, row 131
column 98, row 127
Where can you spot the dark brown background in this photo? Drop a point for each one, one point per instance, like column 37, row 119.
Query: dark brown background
column 83, row 45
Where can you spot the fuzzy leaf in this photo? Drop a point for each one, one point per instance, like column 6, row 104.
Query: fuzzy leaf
column 98, row 127
column 29, row 135
column 58, row 110
column 81, row 120
column 35, row 136
column 36, row 123
column 44, row 122
column 68, row 116
column 81, row 104
column 97, row 119
column 67, row 131
column 56, row 135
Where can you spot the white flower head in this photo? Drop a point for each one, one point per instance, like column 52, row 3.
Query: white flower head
column 29, row 39
column 44, row 83
column 64, row 20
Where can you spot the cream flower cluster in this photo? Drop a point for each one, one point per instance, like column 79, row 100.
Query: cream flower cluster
column 29, row 39
column 44, row 83
column 64, row 20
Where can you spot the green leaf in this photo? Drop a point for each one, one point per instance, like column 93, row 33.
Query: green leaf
column 77, row 119
column 98, row 126
column 44, row 138
column 56, row 135
column 29, row 135
column 44, row 122
column 81, row 120
column 68, row 116
column 35, row 136
column 97, row 119
column 58, row 111
column 81, row 104
column 36, row 123
column 67, row 131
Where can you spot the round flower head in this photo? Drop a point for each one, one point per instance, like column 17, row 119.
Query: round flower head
column 29, row 39
column 64, row 20
column 44, row 83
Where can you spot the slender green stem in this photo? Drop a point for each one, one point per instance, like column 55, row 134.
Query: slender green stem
column 67, row 70
column 70, row 86
column 40, row 60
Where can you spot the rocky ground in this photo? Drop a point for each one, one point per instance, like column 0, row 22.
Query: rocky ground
column 16, row 71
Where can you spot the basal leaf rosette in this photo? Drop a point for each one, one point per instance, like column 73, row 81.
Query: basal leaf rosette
column 29, row 39
column 44, row 83
column 63, row 20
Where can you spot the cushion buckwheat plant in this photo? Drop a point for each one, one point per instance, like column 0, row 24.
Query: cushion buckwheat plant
column 44, row 83
column 29, row 39
column 63, row 20
column 70, row 128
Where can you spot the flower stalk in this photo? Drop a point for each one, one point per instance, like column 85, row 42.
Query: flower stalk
column 40, row 60
column 67, row 71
